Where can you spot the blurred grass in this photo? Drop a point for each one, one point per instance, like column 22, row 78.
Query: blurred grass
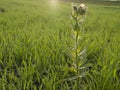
column 34, row 40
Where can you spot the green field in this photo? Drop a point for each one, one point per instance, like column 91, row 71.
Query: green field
column 35, row 39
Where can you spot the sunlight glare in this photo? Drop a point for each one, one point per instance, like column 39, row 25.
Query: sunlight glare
column 54, row 3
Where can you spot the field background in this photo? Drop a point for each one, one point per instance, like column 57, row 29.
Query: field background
column 35, row 40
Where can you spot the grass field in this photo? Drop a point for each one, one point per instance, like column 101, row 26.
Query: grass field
column 35, row 39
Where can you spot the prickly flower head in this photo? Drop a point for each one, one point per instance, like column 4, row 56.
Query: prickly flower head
column 74, row 9
column 82, row 9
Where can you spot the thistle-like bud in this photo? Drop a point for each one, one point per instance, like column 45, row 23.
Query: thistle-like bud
column 78, row 14
column 75, row 8
column 82, row 9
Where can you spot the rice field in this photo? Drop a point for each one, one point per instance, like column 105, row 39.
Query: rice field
column 35, row 41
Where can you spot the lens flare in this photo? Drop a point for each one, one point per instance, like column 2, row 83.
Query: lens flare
column 54, row 3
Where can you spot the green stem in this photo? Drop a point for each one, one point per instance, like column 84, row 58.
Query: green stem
column 76, row 54
column 76, row 57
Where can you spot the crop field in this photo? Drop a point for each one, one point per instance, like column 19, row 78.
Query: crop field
column 36, row 42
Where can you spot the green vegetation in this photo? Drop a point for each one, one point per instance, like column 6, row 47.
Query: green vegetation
column 35, row 39
column 99, row 2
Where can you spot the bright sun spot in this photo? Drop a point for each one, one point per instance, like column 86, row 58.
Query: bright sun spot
column 54, row 3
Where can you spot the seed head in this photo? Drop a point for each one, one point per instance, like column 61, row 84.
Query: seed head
column 75, row 8
column 82, row 9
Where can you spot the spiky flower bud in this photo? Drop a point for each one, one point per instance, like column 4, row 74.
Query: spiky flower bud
column 82, row 9
column 75, row 8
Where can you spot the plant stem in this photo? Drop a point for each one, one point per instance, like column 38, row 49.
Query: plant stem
column 76, row 57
